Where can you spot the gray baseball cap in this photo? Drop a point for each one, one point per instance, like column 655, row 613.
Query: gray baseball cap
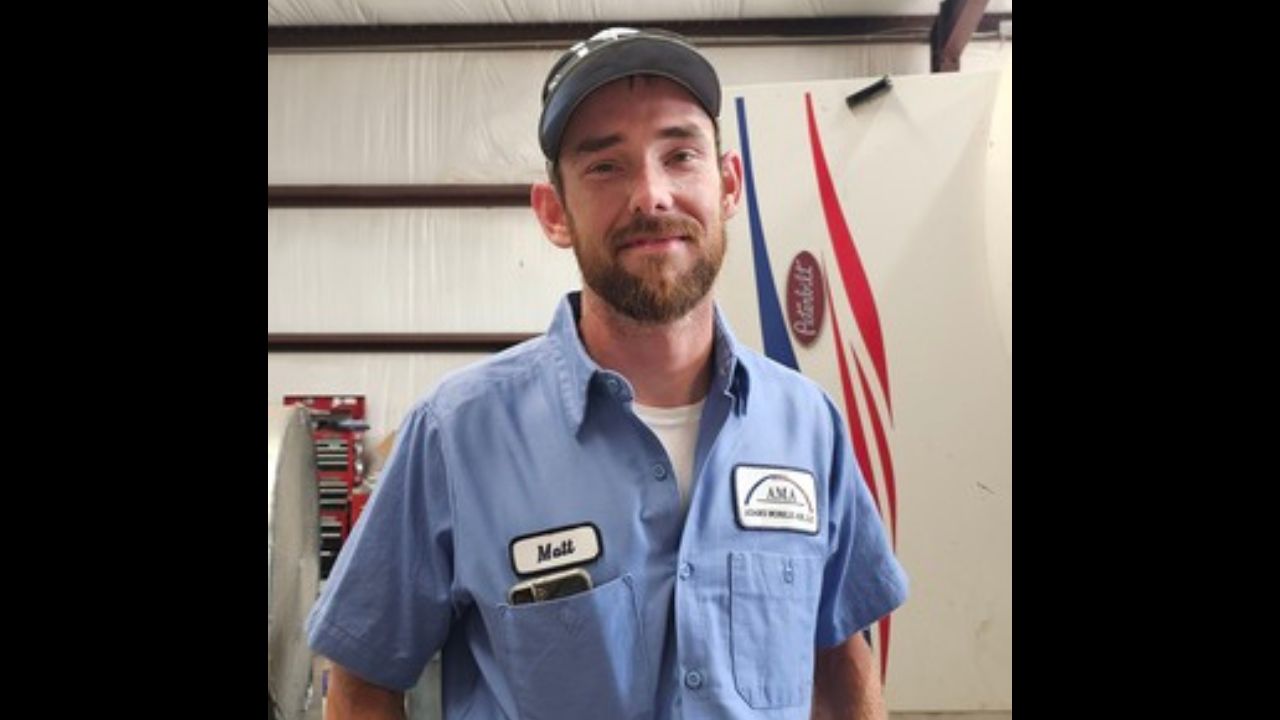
column 617, row 53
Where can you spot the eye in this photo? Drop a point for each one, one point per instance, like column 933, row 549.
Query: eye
column 681, row 157
column 604, row 167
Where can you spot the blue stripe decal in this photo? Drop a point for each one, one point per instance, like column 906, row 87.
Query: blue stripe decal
column 777, row 343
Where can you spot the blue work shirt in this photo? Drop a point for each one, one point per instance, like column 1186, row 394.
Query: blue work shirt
column 533, row 460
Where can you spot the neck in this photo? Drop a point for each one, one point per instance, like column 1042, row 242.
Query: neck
column 668, row 365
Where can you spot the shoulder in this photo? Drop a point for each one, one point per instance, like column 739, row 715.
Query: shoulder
column 504, row 377
column 772, row 381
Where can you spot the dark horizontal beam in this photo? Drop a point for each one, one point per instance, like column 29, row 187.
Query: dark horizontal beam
column 393, row 342
column 779, row 31
column 296, row 196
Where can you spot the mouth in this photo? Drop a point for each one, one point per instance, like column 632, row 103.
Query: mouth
column 644, row 244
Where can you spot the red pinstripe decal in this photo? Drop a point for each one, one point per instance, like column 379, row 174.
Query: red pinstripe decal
column 886, row 459
column 884, row 647
column 855, row 278
column 850, row 407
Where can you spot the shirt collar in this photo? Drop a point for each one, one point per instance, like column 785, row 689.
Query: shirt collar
column 576, row 371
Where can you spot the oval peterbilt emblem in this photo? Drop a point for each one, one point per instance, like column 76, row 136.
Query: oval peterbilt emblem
column 806, row 304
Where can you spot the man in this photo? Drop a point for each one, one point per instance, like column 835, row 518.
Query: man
column 632, row 516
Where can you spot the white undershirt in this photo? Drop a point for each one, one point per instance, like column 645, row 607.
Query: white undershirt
column 677, row 430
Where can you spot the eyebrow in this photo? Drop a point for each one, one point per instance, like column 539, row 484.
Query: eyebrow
column 689, row 131
column 590, row 145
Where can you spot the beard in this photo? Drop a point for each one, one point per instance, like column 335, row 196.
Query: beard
column 657, row 291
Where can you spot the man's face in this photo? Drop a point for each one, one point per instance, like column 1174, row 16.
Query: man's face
column 644, row 197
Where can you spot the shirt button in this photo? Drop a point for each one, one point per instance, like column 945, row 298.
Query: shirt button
column 660, row 471
column 685, row 571
column 693, row 679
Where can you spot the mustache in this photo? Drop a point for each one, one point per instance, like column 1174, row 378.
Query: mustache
column 655, row 226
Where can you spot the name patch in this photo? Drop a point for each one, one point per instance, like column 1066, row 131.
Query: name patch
column 553, row 549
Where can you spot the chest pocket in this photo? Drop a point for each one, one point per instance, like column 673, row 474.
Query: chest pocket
column 578, row 657
column 773, row 611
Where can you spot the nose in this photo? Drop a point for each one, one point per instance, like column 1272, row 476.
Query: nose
column 651, row 190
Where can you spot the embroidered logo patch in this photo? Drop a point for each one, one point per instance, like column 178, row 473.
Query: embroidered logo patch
column 773, row 498
column 558, row 548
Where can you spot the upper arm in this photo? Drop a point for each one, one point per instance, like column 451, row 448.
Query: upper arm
column 863, row 580
column 388, row 605
column 852, row 657
column 350, row 696
column 846, row 681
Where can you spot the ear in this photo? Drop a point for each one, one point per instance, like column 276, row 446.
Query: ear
column 730, row 183
column 551, row 214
